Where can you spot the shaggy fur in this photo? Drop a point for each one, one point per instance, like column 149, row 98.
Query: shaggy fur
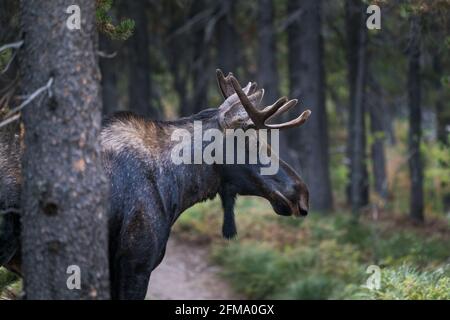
column 10, row 179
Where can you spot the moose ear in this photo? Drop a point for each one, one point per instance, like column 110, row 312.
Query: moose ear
column 229, row 225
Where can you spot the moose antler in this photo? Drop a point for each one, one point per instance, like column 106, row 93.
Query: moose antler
column 260, row 117
column 226, row 88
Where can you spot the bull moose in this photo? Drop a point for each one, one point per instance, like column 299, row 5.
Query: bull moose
column 148, row 192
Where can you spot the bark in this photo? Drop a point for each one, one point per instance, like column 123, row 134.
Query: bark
column 376, row 112
column 443, row 113
column 200, row 63
column 358, row 188
column 295, row 73
column 443, row 118
column 64, row 188
column 267, row 76
column 201, row 77
column 179, row 64
column 388, row 123
column 414, row 102
column 267, row 60
column 308, row 85
column 227, row 38
column 109, row 77
column 180, row 78
column 139, row 81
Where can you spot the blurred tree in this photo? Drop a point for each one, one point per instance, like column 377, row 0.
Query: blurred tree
column 188, row 50
column 307, row 84
column 376, row 113
column 267, row 51
column 415, row 134
column 358, row 190
column 267, row 71
column 109, row 77
column 177, row 48
column 228, row 50
column 110, row 64
column 138, row 56
column 64, row 188
column 201, row 47
column 443, row 113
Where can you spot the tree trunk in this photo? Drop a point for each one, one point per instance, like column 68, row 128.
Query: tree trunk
column 358, row 189
column 267, row 60
column 414, row 101
column 180, row 79
column 307, row 85
column 227, row 38
column 201, row 76
column 178, row 63
column 109, row 78
column 376, row 111
column 295, row 73
column 267, row 72
column 139, row 81
column 64, row 188
column 443, row 118
column 443, row 113
column 200, row 72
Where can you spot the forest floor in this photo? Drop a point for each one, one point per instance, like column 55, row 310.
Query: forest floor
column 187, row 274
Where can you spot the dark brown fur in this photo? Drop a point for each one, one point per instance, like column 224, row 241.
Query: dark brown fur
column 10, row 183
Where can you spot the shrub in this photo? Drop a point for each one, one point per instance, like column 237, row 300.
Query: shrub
column 313, row 287
column 408, row 283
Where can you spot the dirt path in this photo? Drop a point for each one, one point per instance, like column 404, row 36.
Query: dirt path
column 186, row 274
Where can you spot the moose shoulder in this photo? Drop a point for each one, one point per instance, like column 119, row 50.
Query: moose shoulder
column 148, row 191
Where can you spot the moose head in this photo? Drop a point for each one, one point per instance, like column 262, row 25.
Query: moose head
column 284, row 189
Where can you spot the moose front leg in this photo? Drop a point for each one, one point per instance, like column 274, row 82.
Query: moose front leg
column 228, row 197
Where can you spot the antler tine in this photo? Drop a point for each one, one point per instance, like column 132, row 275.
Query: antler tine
column 260, row 117
column 293, row 123
column 255, row 115
column 224, row 83
column 226, row 87
column 284, row 108
column 274, row 108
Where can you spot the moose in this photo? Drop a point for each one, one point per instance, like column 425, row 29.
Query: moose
column 148, row 192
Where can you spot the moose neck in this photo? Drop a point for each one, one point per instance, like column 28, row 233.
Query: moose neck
column 191, row 183
column 141, row 150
